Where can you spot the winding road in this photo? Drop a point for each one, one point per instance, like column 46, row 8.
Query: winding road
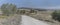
column 27, row 20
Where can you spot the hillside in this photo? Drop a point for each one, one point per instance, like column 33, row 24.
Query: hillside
column 41, row 15
column 39, row 12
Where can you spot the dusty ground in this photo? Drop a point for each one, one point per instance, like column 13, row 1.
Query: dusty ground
column 14, row 20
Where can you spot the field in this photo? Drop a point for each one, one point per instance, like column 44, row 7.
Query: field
column 45, row 16
column 39, row 15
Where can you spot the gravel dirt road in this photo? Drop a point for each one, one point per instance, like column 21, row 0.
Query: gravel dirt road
column 27, row 20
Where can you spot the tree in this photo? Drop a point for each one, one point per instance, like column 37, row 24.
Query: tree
column 4, row 9
column 13, row 8
column 8, row 9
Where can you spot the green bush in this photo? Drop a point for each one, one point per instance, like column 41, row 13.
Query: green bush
column 56, row 15
column 8, row 9
column 33, row 11
column 22, row 11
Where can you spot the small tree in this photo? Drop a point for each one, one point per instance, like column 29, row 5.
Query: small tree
column 22, row 12
column 33, row 11
column 8, row 9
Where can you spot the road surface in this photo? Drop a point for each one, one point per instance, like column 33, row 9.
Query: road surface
column 26, row 20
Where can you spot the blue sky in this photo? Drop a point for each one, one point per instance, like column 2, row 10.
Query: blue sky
column 34, row 3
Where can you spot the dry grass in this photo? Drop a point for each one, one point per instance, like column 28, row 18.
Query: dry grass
column 3, row 17
column 45, row 16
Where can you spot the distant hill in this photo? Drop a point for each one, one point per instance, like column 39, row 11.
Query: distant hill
column 39, row 9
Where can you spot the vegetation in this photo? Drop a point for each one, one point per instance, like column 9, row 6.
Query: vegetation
column 8, row 9
column 20, row 11
column 32, row 11
column 56, row 15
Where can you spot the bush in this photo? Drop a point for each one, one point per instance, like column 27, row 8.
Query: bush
column 33, row 11
column 56, row 15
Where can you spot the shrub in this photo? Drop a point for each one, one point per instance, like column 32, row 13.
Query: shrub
column 56, row 15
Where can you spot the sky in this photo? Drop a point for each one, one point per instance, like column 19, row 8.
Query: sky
column 52, row 4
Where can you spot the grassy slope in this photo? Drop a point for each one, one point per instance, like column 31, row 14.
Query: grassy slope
column 45, row 16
